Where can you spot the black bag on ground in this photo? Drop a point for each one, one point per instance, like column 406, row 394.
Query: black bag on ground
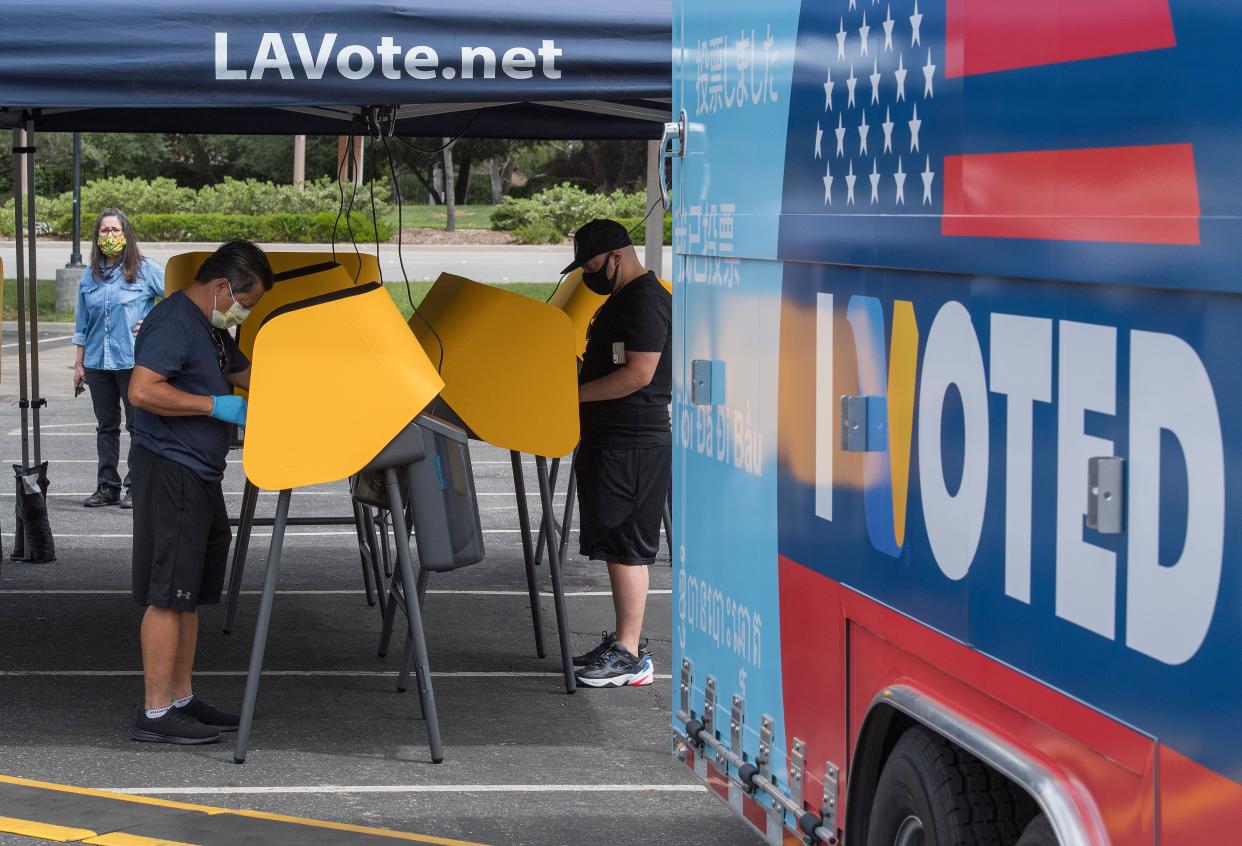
column 32, row 533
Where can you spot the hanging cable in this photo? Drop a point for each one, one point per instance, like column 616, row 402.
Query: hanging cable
column 640, row 223
column 348, row 165
column 396, row 181
column 441, row 149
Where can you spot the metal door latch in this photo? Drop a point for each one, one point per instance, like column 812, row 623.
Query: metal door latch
column 1106, row 494
column 707, row 384
column 864, row 424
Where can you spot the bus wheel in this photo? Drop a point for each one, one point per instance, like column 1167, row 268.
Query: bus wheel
column 1038, row 833
column 931, row 793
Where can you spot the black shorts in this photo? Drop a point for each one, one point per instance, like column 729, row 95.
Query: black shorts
column 621, row 496
column 181, row 534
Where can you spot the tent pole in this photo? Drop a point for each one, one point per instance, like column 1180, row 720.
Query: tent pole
column 299, row 162
column 19, row 144
column 654, row 251
column 35, row 400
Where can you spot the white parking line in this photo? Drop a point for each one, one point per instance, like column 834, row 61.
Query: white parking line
column 369, row 674
column 412, row 788
column 350, row 533
column 42, row 341
column 342, row 493
column 346, row 592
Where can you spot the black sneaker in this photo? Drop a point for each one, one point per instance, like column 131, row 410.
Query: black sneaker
column 617, row 668
column 102, row 496
column 126, row 502
column 174, row 727
column 606, row 639
column 209, row 716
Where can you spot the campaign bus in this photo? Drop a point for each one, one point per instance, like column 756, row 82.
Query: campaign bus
column 957, row 416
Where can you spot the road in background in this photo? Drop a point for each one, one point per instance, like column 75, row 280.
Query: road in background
column 422, row 261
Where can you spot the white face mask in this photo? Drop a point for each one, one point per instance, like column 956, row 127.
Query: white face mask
column 228, row 319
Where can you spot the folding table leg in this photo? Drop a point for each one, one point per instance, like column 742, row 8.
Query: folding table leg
column 556, row 466
column 367, row 529
column 667, row 518
column 260, row 629
column 528, row 555
column 426, row 695
column 571, row 490
column 554, row 567
column 381, row 525
column 245, row 522
column 395, row 592
column 363, row 554
column 407, row 658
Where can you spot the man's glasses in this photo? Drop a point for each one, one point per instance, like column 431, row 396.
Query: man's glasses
column 222, row 355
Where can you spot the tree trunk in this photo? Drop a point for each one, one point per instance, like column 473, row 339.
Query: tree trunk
column 464, row 166
column 428, row 181
column 450, row 198
column 493, row 174
column 506, row 175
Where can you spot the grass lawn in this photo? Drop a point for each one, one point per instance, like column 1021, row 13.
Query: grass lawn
column 433, row 217
column 47, row 301
column 47, row 297
column 535, row 290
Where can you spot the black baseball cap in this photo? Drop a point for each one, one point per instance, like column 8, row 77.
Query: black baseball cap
column 596, row 237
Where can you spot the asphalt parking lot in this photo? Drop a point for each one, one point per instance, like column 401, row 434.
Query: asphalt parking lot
column 525, row 763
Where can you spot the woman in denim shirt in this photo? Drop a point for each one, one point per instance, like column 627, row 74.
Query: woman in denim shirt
column 117, row 290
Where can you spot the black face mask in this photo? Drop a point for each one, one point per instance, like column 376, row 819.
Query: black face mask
column 599, row 281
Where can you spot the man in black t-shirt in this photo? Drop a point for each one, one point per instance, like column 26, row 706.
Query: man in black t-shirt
column 186, row 367
column 625, row 457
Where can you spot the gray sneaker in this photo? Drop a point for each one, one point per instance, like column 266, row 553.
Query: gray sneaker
column 102, row 496
column 174, row 727
column 606, row 640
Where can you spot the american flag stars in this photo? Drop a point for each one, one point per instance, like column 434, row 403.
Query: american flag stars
column 887, row 105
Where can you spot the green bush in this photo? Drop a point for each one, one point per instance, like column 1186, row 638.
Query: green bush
column 539, row 232
column 638, row 229
column 280, row 227
column 147, row 200
column 565, row 207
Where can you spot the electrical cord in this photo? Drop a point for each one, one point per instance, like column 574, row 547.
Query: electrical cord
column 396, row 181
column 640, row 223
column 441, row 149
column 637, row 227
column 349, row 164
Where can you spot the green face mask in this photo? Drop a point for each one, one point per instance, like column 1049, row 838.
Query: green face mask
column 111, row 245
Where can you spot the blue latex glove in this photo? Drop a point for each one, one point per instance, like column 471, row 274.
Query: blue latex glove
column 230, row 409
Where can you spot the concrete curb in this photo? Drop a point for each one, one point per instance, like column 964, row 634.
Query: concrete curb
column 10, row 326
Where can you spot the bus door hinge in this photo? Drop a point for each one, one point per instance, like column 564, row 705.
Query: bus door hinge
column 766, row 729
column 797, row 765
column 687, row 676
column 832, row 786
column 735, row 725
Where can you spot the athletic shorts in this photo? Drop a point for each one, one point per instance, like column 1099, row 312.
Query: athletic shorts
column 621, row 497
column 181, row 534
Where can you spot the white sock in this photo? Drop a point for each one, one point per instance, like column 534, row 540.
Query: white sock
column 181, row 703
column 156, row 713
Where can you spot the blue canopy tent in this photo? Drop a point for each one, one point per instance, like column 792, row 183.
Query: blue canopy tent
column 487, row 68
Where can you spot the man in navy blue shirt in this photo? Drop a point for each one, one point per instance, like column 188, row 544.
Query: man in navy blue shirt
column 186, row 367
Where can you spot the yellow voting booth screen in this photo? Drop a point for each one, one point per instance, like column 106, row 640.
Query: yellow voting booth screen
column 580, row 303
column 325, row 276
column 334, row 381
column 508, row 364
column 362, row 267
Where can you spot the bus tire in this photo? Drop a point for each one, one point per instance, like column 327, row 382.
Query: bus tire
column 929, row 786
column 1039, row 833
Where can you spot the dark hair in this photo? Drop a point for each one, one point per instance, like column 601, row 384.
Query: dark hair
column 241, row 262
column 130, row 257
